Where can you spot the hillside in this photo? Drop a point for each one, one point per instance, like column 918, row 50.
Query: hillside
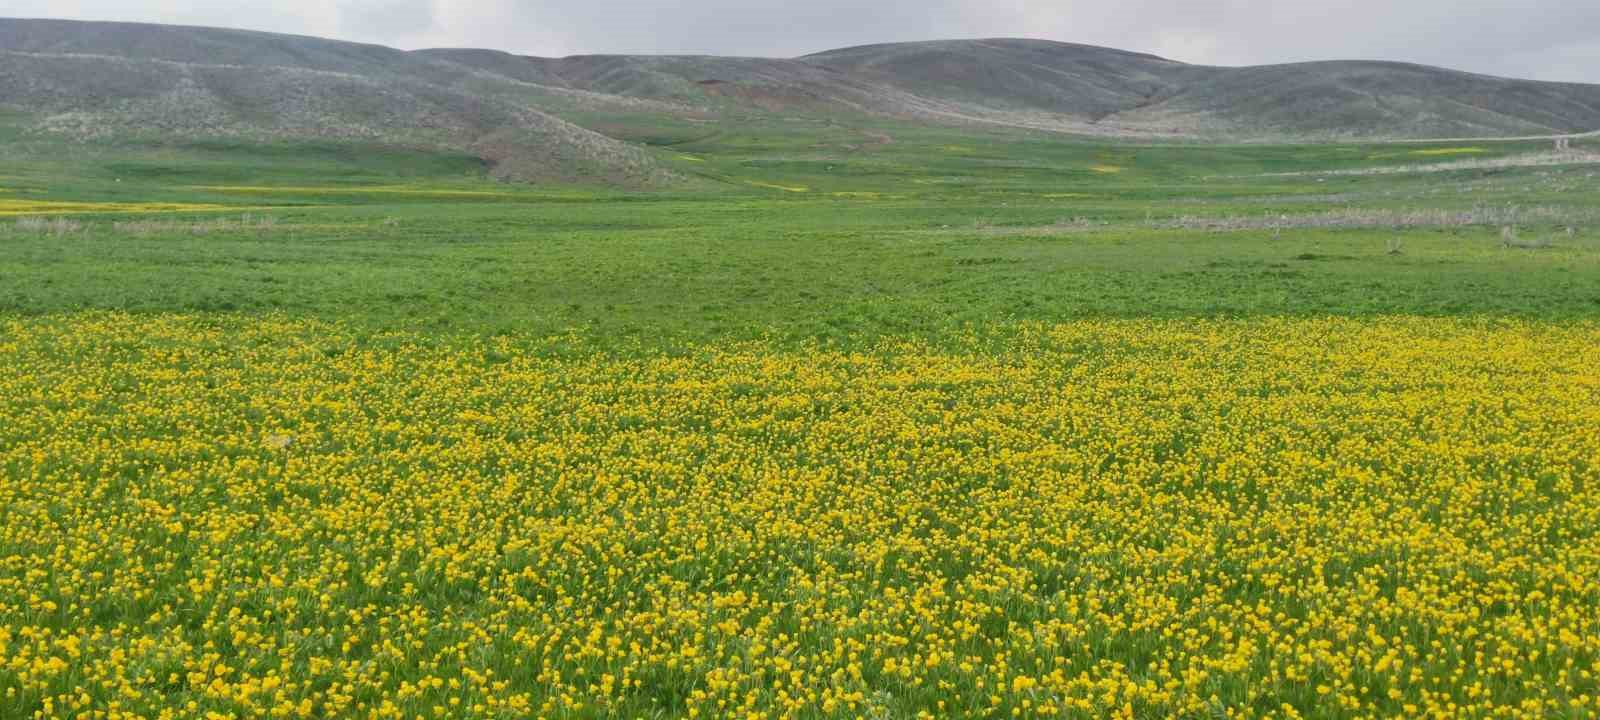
column 114, row 80
column 700, row 83
column 1077, row 80
column 532, row 118
column 1345, row 99
column 1086, row 89
column 1370, row 99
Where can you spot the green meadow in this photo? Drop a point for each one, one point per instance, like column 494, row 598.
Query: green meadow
column 862, row 421
column 813, row 232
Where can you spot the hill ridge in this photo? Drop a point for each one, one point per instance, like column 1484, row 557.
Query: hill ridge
column 990, row 40
column 260, row 84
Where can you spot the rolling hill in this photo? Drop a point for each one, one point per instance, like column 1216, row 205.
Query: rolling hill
column 1319, row 100
column 118, row 80
column 1369, row 99
column 1076, row 80
column 525, row 115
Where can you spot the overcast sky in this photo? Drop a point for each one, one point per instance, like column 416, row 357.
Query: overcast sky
column 1543, row 39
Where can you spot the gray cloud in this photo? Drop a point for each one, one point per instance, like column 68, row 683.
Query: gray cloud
column 1544, row 39
column 386, row 18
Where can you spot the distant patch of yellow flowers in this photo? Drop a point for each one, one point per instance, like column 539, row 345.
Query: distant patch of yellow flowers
column 774, row 186
column 64, row 207
column 1430, row 152
column 1435, row 152
column 351, row 190
column 214, row 517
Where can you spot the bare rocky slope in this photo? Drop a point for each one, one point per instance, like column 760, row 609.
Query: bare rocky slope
column 91, row 79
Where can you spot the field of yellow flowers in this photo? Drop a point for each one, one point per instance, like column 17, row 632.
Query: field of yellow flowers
column 210, row 516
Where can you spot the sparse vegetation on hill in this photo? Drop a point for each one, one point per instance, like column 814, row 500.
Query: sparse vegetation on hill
column 1027, row 75
column 321, row 90
column 569, row 119
column 1345, row 100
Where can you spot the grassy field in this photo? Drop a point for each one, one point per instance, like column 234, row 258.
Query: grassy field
column 870, row 421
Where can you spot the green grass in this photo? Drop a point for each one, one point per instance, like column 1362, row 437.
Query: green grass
column 933, row 232
column 699, row 270
column 513, row 422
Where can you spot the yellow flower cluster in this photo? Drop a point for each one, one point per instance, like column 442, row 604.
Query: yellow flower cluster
column 223, row 517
